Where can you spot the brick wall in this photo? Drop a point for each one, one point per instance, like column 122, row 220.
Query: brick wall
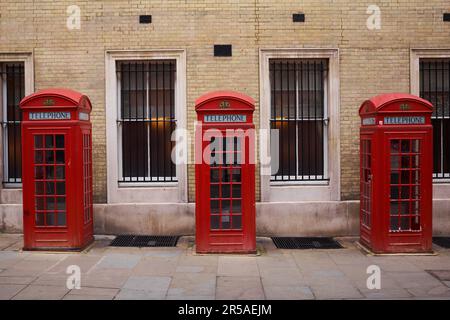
column 371, row 61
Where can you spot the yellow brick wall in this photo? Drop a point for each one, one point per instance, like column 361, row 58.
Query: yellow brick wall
column 371, row 61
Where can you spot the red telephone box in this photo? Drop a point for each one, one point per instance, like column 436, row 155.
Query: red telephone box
column 396, row 174
column 57, row 170
column 225, row 173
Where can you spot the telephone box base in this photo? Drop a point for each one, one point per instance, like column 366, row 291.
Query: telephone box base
column 394, row 252
column 61, row 249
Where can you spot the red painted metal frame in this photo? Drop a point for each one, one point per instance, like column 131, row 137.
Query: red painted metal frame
column 77, row 232
column 238, row 240
column 378, row 235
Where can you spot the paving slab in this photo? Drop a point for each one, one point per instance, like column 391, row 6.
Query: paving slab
column 119, row 261
column 237, row 266
column 155, row 267
column 440, row 291
column 58, row 280
column 239, row 288
column 83, row 261
column 144, row 288
column 7, row 291
column 410, row 280
column 38, row 292
column 192, row 285
column 288, row 292
column 385, row 293
column 285, row 272
column 16, row 280
column 336, row 291
column 90, row 293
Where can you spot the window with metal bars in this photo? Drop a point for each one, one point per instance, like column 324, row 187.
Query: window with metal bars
column 12, row 90
column 299, row 112
column 435, row 87
column 146, row 120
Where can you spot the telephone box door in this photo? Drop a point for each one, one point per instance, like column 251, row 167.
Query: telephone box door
column 47, row 173
column 408, row 191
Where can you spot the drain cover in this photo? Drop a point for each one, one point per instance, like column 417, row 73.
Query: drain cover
column 144, row 241
column 305, row 243
column 443, row 242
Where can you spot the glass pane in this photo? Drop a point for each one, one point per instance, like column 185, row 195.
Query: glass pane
column 405, row 177
column 405, row 146
column 395, row 162
column 214, row 189
column 404, row 207
column 226, row 206
column 60, row 156
column 404, row 223
column 49, row 172
column 236, row 190
column 394, row 177
column 237, row 206
column 40, row 219
column 394, row 192
column 49, row 141
column 60, row 188
column 61, row 218
column 215, row 222
column 415, row 145
column 51, row 204
column 406, row 162
column 61, row 203
column 50, row 219
column 395, row 146
column 214, row 206
column 394, row 223
column 214, row 175
column 49, row 187
column 39, row 172
column 39, row 187
column 60, row 172
column 394, row 207
column 405, row 192
column 226, row 190
column 236, row 173
column 39, row 202
column 38, row 157
column 237, row 222
column 226, row 222
column 49, row 157
column 59, row 141
column 38, row 142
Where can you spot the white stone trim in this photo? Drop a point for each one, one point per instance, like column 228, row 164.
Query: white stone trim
column 148, row 193
column 12, row 194
column 441, row 188
column 307, row 192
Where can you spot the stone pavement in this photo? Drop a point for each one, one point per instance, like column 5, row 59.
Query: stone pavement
column 178, row 273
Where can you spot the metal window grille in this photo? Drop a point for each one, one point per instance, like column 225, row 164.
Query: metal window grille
column 435, row 87
column 146, row 120
column 299, row 112
column 12, row 81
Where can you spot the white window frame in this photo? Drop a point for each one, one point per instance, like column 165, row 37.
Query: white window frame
column 142, row 192
column 441, row 187
column 12, row 192
column 280, row 191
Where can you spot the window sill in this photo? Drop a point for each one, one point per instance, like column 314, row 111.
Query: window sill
column 298, row 183
column 12, row 185
column 147, row 184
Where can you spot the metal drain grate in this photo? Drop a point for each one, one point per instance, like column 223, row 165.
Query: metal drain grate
column 443, row 242
column 305, row 243
column 144, row 241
